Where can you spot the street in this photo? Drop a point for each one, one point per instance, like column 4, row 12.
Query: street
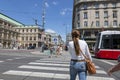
column 34, row 65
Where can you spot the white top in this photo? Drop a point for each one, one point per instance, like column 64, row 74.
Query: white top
column 84, row 48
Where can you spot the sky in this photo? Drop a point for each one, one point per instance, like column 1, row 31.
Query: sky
column 58, row 13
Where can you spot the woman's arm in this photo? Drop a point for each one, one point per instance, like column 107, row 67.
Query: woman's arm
column 114, row 69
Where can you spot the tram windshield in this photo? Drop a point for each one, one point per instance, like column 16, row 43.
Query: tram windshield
column 110, row 41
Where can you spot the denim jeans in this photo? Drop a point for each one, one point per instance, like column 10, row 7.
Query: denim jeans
column 78, row 68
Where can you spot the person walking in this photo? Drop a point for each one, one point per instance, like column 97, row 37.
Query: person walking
column 59, row 50
column 51, row 50
column 77, row 63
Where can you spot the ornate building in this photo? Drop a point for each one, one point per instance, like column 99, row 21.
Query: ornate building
column 8, row 36
column 93, row 16
column 29, row 36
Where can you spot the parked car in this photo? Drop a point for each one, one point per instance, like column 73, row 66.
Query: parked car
column 31, row 47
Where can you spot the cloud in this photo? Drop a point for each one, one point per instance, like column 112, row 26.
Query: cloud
column 50, row 31
column 54, row 3
column 62, row 12
column 65, row 11
column 35, row 4
column 46, row 4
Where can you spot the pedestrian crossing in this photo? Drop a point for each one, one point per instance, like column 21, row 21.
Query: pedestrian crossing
column 54, row 68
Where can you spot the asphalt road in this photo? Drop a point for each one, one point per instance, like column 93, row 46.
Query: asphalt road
column 34, row 65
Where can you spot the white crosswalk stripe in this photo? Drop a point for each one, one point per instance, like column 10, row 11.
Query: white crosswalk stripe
column 53, row 65
column 35, row 63
column 1, row 61
column 45, row 68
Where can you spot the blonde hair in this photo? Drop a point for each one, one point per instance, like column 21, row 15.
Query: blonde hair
column 76, row 34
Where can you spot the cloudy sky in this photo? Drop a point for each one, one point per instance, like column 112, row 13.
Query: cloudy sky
column 58, row 13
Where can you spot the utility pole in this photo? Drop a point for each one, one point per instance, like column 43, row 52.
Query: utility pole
column 43, row 14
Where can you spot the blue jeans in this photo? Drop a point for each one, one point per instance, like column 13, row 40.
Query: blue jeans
column 78, row 68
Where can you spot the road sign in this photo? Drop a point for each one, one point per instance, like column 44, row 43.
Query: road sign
column 55, row 39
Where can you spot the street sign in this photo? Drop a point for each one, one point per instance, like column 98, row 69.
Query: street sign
column 55, row 39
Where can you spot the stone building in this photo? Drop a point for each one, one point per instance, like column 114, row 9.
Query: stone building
column 29, row 36
column 8, row 36
column 14, row 34
column 93, row 16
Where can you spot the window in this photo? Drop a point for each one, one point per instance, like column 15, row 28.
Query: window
column 30, row 38
column 35, row 30
column 97, row 23
column 96, row 5
column 77, row 9
column 114, row 23
column 106, row 43
column 114, row 14
column 78, row 17
column 114, row 5
column 26, row 30
column 30, row 30
column 23, row 30
column 85, row 6
column 116, row 41
column 26, row 38
column 105, row 23
column 23, row 38
column 85, row 23
column 105, row 14
column 78, row 24
column 97, row 14
column 34, row 38
column 85, row 15
column 105, row 5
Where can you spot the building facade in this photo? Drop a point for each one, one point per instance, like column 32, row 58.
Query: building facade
column 8, row 36
column 29, row 36
column 93, row 16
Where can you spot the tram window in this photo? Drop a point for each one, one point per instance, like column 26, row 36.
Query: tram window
column 106, row 42
column 116, row 41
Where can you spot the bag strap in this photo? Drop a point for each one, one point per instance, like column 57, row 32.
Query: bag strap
column 83, row 54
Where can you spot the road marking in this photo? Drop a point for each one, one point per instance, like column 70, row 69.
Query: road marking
column 1, row 61
column 50, row 75
column 53, row 64
column 97, row 67
column 46, row 68
column 108, row 62
column 99, row 78
column 52, row 61
column 17, row 58
column 9, row 59
column 100, row 72
column 53, row 68
column 36, row 52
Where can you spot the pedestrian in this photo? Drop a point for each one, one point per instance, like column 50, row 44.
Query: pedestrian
column 57, row 51
column 114, row 69
column 60, row 49
column 77, row 63
column 51, row 51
